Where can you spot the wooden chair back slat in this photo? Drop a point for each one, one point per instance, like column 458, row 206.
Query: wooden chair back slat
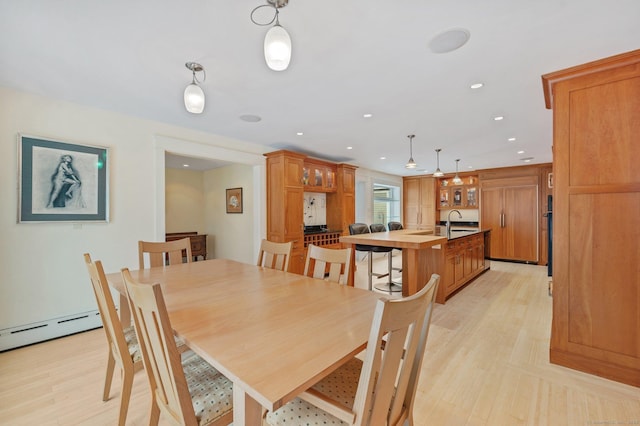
column 174, row 251
column 275, row 255
column 324, row 261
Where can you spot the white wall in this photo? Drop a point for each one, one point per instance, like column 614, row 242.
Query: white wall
column 184, row 202
column 43, row 275
column 230, row 234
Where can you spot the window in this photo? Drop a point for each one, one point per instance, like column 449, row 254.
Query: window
column 386, row 203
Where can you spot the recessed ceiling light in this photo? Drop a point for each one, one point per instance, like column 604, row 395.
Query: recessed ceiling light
column 449, row 41
column 367, row 115
column 185, row 165
column 498, row 118
column 476, row 85
column 511, row 139
column 349, row 147
column 249, row 118
column 299, row 133
column 520, row 152
column 471, row 167
column 383, row 158
column 527, row 160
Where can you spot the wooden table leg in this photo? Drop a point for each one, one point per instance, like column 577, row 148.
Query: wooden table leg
column 246, row 410
column 352, row 269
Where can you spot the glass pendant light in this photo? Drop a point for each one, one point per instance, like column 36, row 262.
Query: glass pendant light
column 438, row 172
column 277, row 42
column 193, row 94
column 411, row 164
column 456, row 178
column 277, row 48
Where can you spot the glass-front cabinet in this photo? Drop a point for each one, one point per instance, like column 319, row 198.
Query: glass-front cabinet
column 459, row 196
column 318, row 177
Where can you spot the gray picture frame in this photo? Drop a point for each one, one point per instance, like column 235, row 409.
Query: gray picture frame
column 62, row 181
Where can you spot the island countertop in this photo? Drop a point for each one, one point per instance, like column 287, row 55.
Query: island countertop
column 403, row 238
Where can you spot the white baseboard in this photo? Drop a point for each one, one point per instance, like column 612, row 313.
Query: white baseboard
column 27, row 334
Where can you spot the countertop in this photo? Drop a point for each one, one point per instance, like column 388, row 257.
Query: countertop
column 323, row 231
column 458, row 233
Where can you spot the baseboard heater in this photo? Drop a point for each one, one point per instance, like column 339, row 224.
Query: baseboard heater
column 27, row 334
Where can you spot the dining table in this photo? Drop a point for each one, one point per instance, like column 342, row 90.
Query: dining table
column 272, row 333
column 422, row 254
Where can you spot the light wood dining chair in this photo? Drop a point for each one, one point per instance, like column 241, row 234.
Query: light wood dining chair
column 185, row 390
column 275, row 255
column 381, row 389
column 330, row 264
column 124, row 350
column 174, row 250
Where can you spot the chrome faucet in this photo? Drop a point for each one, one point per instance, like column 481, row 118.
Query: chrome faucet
column 449, row 221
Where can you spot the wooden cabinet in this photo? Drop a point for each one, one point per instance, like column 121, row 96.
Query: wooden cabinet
column 458, row 196
column 341, row 204
column 510, row 210
column 318, row 176
column 463, row 261
column 286, row 185
column 285, row 200
column 198, row 243
column 419, row 202
column 596, row 185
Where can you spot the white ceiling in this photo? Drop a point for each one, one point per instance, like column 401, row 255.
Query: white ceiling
column 349, row 58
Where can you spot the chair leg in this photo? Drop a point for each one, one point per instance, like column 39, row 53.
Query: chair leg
column 154, row 414
column 125, row 395
column 111, row 364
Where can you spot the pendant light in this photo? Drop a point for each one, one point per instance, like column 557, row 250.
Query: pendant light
column 438, row 172
column 456, row 178
column 193, row 94
column 411, row 164
column 277, row 42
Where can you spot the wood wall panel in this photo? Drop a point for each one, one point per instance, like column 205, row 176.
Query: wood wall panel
column 609, row 152
column 596, row 231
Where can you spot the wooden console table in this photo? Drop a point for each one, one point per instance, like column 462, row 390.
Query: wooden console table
column 198, row 242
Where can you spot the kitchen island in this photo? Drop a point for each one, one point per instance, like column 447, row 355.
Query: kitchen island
column 457, row 259
column 463, row 259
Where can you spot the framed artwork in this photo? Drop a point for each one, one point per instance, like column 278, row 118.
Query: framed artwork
column 234, row 200
column 61, row 181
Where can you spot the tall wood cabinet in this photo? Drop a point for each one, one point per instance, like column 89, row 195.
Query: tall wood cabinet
column 287, row 179
column 596, row 229
column 510, row 210
column 285, row 201
column 342, row 203
column 419, row 202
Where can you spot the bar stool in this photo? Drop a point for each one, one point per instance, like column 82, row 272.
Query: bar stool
column 363, row 228
column 396, row 226
column 389, row 286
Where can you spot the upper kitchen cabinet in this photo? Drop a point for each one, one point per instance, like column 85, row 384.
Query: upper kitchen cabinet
column 462, row 195
column 319, row 176
column 419, row 202
column 596, row 188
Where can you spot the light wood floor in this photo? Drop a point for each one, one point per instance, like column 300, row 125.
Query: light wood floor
column 486, row 363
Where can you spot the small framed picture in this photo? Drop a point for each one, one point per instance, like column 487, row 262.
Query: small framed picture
column 61, row 181
column 234, row 200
